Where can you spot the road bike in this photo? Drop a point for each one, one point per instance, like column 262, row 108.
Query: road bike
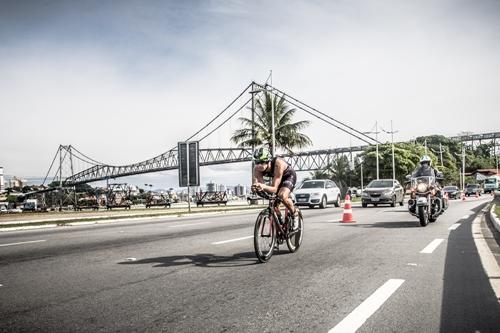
column 272, row 228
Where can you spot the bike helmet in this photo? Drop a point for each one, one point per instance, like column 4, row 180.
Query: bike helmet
column 262, row 155
column 425, row 159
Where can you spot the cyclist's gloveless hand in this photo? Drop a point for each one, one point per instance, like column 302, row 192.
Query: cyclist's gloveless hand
column 257, row 187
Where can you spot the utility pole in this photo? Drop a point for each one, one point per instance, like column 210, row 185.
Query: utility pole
column 361, row 166
column 441, row 151
column 463, row 166
column 376, row 146
column 72, row 174
column 252, row 91
column 60, row 178
column 392, row 143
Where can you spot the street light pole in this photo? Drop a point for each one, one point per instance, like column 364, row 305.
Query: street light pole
column 272, row 125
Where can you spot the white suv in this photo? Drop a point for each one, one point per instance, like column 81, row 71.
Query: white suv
column 317, row 192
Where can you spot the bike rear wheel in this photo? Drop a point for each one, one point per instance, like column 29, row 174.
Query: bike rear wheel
column 295, row 238
column 264, row 236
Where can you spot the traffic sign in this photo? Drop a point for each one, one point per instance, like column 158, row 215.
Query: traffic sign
column 189, row 164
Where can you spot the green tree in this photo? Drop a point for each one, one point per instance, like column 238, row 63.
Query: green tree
column 287, row 132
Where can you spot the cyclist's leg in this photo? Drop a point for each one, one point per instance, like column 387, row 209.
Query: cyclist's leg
column 284, row 194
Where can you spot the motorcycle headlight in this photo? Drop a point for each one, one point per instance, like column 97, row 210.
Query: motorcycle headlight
column 422, row 187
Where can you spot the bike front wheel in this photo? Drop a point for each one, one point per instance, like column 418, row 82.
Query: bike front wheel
column 264, row 236
column 295, row 237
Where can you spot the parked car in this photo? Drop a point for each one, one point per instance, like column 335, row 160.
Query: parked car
column 383, row 191
column 452, row 191
column 473, row 189
column 317, row 192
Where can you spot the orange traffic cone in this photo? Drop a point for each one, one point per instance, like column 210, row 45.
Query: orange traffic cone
column 347, row 217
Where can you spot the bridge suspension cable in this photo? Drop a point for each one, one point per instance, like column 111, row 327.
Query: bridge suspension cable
column 304, row 106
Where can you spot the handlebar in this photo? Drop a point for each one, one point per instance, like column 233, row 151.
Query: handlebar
column 265, row 195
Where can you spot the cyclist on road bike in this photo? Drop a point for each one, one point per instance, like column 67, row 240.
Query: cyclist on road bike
column 283, row 175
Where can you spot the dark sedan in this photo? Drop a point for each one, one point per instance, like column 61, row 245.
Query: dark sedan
column 473, row 189
column 452, row 191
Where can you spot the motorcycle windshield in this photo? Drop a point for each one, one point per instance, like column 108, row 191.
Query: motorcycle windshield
column 428, row 180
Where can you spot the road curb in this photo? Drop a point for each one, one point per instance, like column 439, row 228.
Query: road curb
column 493, row 217
column 488, row 261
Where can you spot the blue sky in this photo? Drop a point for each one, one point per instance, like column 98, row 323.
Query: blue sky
column 125, row 80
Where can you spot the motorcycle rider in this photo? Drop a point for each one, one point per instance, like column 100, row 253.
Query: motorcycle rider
column 426, row 169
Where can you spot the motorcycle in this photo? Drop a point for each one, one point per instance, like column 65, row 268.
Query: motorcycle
column 426, row 201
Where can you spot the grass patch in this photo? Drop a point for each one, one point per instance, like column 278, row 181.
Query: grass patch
column 497, row 211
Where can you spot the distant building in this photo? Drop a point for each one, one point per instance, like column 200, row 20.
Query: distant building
column 240, row 190
column 2, row 180
column 211, row 187
column 16, row 182
column 221, row 188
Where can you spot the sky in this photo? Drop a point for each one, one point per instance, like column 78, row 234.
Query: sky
column 124, row 81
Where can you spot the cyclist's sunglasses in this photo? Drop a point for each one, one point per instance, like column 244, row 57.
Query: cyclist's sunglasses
column 261, row 162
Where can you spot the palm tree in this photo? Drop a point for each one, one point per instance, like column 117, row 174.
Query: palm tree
column 287, row 135
column 339, row 170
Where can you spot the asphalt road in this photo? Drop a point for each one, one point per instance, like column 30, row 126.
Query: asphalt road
column 201, row 275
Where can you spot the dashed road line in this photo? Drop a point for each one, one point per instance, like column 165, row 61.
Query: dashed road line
column 20, row 243
column 231, row 240
column 432, row 246
column 187, row 225
column 364, row 311
column 465, row 217
column 454, row 226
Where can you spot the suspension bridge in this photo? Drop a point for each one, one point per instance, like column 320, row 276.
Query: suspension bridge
column 90, row 170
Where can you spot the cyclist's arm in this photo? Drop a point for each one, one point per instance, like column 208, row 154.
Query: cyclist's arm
column 258, row 177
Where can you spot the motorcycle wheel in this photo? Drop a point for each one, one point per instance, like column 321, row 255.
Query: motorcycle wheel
column 422, row 216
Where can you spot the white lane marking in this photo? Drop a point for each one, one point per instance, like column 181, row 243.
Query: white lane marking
column 411, row 264
column 358, row 317
column 232, row 240
column 187, row 225
column 131, row 259
column 454, row 226
column 465, row 217
column 432, row 246
column 1, row 285
column 37, row 241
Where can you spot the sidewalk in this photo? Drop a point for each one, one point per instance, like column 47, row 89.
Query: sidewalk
column 65, row 217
